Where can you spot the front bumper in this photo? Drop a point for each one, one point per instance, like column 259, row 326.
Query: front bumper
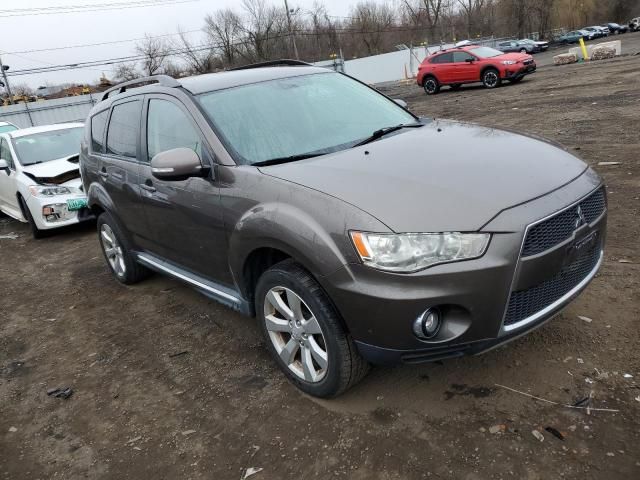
column 61, row 216
column 379, row 308
column 510, row 74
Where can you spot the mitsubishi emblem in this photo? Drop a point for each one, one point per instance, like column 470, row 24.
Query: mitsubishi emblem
column 581, row 220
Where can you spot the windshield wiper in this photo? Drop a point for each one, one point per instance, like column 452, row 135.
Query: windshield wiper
column 385, row 131
column 291, row 158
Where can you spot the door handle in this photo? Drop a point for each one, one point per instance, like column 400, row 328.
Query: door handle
column 147, row 187
column 103, row 173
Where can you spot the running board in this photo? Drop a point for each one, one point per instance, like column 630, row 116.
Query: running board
column 224, row 295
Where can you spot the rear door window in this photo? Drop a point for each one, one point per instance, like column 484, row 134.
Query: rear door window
column 124, row 129
column 444, row 58
column 98, row 126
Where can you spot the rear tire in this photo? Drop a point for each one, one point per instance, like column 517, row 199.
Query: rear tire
column 304, row 333
column 117, row 252
column 491, row 78
column 523, row 50
column 35, row 231
column 431, row 85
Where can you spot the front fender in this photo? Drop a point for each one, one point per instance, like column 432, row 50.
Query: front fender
column 292, row 231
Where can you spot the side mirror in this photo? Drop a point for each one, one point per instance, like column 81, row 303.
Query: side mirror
column 177, row 164
column 4, row 165
column 469, row 60
column 401, row 102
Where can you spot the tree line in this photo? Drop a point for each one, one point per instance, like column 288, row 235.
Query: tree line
column 258, row 30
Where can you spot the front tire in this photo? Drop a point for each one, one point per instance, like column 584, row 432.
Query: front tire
column 431, row 85
column 491, row 78
column 117, row 252
column 35, row 231
column 304, row 333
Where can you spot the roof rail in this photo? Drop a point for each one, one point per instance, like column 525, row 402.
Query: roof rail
column 275, row 63
column 163, row 80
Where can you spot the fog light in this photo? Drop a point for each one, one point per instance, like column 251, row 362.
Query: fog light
column 427, row 324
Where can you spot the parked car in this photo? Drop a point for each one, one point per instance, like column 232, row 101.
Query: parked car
column 575, row 36
column 473, row 64
column 634, row 24
column 353, row 230
column 598, row 31
column 590, row 34
column 7, row 127
column 40, row 177
column 542, row 45
column 616, row 28
column 518, row 46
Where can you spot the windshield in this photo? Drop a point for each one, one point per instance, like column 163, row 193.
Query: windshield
column 7, row 128
column 486, row 52
column 308, row 114
column 47, row 146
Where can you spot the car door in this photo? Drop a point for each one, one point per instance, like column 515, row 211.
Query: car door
column 8, row 182
column 442, row 67
column 465, row 67
column 185, row 214
column 119, row 164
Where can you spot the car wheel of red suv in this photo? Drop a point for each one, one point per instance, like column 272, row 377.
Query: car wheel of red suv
column 431, row 85
column 491, row 78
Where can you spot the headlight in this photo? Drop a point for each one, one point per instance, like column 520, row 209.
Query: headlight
column 411, row 252
column 509, row 62
column 52, row 190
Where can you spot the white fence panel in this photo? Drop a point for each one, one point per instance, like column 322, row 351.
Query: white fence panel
column 47, row 112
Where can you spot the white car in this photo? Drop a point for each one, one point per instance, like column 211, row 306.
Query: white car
column 7, row 127
column 40, row 177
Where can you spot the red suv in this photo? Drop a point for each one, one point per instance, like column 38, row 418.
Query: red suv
column 471, row 64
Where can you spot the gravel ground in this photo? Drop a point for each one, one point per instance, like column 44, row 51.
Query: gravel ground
column 168, row 384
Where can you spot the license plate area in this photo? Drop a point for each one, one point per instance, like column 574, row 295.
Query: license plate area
column 75, row 204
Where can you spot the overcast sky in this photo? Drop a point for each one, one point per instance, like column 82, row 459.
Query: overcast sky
column 34, row 32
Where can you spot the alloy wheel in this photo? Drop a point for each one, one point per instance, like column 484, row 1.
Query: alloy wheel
column 490, row 79
column 296, row 334
column 112, row 250
column 430, row 85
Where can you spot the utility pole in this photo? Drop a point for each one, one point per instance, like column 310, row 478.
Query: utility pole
column 6, row 81
column 293, row 37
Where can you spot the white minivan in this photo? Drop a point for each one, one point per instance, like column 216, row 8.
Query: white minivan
column 40, row 178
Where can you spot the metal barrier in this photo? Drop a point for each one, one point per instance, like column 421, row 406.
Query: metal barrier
column 47, row 112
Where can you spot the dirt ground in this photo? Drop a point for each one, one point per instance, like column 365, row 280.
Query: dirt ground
column 168, row 384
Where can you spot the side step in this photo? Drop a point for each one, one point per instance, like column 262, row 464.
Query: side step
column 222, row 294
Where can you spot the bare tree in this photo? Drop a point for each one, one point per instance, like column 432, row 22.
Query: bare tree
column 223, row 29
column 371, row 20
column 155, row 51
column 471, row 9
column 429, row 10
column 263, row 26
column 199, row 58
column 22, row 89
column 125, row 72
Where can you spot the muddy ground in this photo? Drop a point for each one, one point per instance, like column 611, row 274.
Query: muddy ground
column 168, row 384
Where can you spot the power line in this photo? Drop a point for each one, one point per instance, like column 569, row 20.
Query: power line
column 90, row 8
column 113, row 42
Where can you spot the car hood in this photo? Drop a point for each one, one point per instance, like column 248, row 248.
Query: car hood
column 445, row 176
column 516, row 56
column 55, row 171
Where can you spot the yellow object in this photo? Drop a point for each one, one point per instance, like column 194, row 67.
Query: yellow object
column 584, row 49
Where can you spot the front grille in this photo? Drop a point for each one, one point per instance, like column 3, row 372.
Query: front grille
column 560, row 227
column 525, row 303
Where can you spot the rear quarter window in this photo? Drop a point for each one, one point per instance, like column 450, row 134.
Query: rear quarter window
column 98, row 126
